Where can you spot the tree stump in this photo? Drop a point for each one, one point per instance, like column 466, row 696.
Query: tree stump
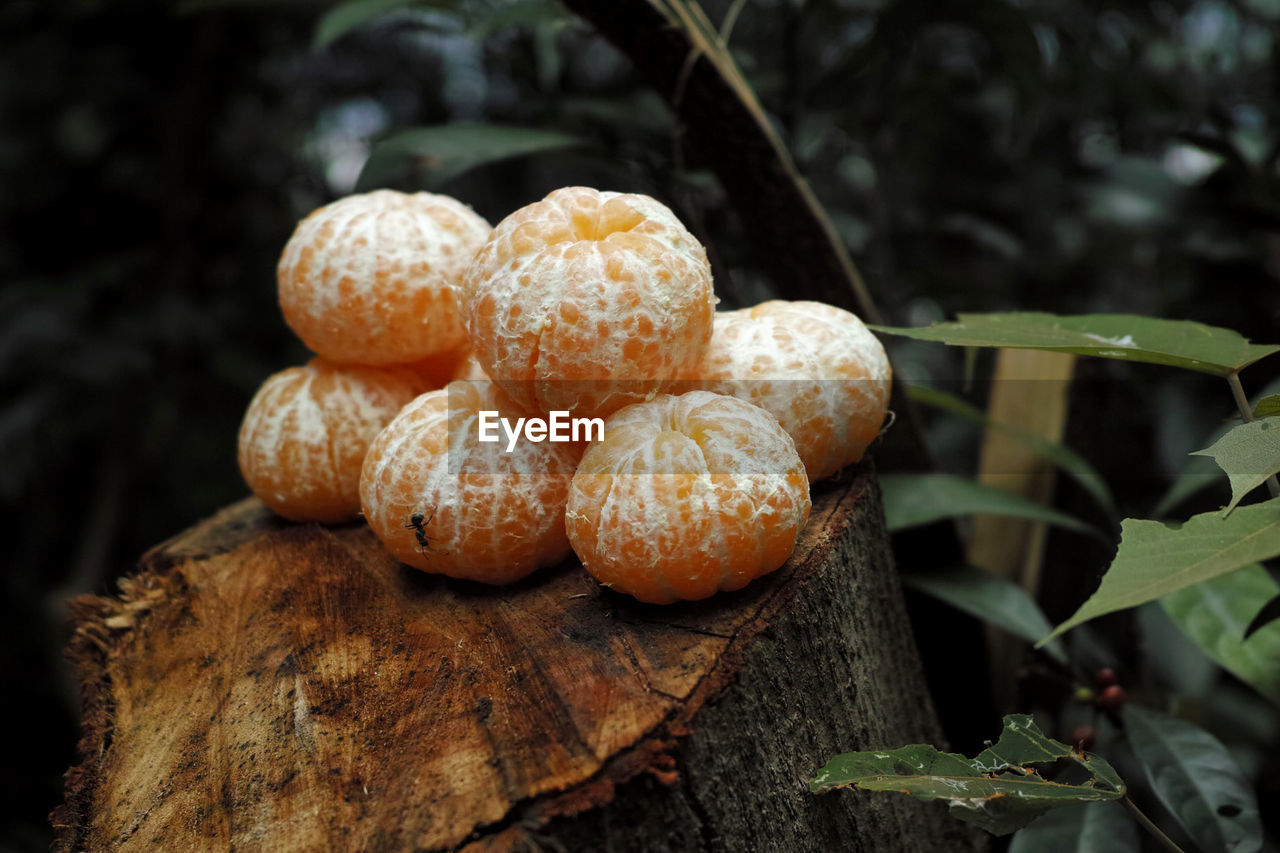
column 269, row 686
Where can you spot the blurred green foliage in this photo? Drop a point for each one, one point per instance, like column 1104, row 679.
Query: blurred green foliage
column 1030, row 155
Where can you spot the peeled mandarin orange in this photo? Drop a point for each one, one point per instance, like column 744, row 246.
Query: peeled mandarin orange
column 369, row 278
column 814, row 367
column 685, row 496
column 443, row 502
column 587, row 301
column 304, row 436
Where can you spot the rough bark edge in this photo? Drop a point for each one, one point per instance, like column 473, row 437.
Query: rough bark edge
column 101, row 625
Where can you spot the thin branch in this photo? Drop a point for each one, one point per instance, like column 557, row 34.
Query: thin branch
column 706, row 41
column 1146, row 823
column 682, row 82
column 730, row 18
column 1246, row 413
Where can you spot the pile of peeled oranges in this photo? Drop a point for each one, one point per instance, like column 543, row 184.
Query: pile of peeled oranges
column 490, row 399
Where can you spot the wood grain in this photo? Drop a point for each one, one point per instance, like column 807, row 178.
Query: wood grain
column 269, row 686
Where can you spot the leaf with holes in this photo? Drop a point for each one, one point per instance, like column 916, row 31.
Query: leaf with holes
column 1248, row 454
column 1196, row 779
column 1157, row 559
column 1129, row 337
column 1008, row 785
column 1216, row 615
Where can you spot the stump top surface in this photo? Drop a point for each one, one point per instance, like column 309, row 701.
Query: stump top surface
column 282, row 686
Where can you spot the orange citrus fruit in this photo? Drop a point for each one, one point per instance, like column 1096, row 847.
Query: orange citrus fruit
column 369, row 278
column 814, row 367
column 305, row 433
column 687, row 495
column 444, row 502
column 587, row 301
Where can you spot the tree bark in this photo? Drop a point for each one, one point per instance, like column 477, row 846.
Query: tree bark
column 269, row 686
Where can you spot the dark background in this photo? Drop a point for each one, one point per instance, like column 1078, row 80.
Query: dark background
column 154, row 158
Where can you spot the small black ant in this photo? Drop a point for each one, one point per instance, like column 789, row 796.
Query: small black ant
column 417, row 523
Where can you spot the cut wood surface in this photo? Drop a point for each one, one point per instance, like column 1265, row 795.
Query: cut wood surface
column 270, row 686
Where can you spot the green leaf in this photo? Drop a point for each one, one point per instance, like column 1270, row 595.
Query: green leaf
column 1091, row 828
column 443, row 152
column 1197, row 474
column 990, row 597
column 1074, row 465
column 1193, row 775
column 352, row 14
column 1001, row 790
column 1157, row 559
column 1216, row 614
column 1269, row 613
column 1177, row 343
column 912, row 500
column 642, row 112
column 1267, row 407
column 1249, row 454
column 1176, row 662
column 521, row 13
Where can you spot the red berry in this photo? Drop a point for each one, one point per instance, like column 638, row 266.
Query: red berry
column 1111, row 699
column 1082, row 738
column 1105, row 677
